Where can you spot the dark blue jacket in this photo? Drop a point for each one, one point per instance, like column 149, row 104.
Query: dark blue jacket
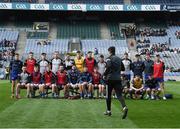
column 138, row 68
column 73, row 76
column 85, row 77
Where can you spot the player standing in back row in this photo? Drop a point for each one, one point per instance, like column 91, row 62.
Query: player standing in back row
column 90, row 62
column 128, row 66
column 56, row 62
column 43, row 63
column 79, row 61
column 30, row 63
column 158, row 74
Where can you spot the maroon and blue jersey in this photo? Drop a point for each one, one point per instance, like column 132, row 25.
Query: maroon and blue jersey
column 48, row 77
column 36, row 78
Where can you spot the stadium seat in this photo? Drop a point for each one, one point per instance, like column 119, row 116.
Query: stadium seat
column 103, row 45
column 114, row 28
column 83, row 30
column 56, row 45
column 9, row 35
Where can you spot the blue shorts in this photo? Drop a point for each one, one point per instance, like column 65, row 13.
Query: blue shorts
column 146, row 76
column 160, row 80
column 14, row 76
column 156, row 87
column 128, row 76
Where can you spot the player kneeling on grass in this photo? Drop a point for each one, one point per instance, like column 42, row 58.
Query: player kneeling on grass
column 35, row 81
column 98, row 83
column 85, row 84
column 73, row 77
column 48, row 82
column 136, row 88
column 61, row 82
column 23, row 79
column 152, row 88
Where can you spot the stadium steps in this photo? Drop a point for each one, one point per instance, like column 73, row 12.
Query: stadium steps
column 105, row 33
column 132, row 54
column 132, row 49
column 53, row 31
column 21, row 42
column 41, row 1
column 127, row 1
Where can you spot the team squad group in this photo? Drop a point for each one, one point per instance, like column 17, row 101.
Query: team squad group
column 82, row 76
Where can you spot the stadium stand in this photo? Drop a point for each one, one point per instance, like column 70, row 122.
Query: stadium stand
column 8, row 43
column 172, row 60
column 86, row 1
column 83, row 30
column 61, row 45
column 9, row 35
column 103, row 45
column 115, row 31
column 174, row 42
column 166, row 44
column 2, row 73
column 37, row 35
column 55, row 45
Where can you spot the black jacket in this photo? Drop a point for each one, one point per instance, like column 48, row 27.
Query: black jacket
column 114, row 66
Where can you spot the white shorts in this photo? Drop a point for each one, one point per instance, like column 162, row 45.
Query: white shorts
column 74, row 85
column 35, row 85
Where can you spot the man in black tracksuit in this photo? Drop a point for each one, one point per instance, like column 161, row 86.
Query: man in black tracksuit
column 114, row 66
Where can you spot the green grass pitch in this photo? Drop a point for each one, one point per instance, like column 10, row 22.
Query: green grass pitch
column 44, row 113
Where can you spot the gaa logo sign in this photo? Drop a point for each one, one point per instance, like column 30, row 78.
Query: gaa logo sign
column 39, row 6
column 95, row 7
column 76, row 7
column 113, row 7
column 20, row 6
column 131, row 7
column 150, row 7
column 3, row 6
column 58, row 7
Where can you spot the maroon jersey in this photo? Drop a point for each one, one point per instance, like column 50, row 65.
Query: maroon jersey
column 158, row 70
column 48, row 77
column 96, row 78
column 30, row 63
column 90, row 63
column 61, row 78
column 36, row 77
